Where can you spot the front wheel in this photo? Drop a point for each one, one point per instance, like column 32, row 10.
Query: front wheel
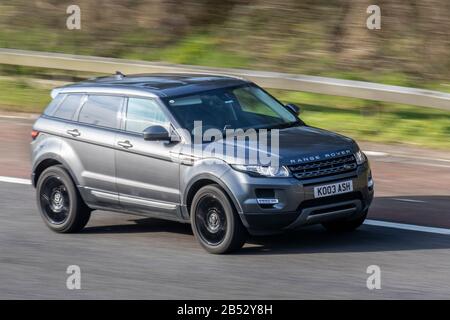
column 215, row 222
column 59, row 202
column 345, row 225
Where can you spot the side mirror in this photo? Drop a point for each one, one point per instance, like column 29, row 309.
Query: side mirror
column 156, row 133
column 293, row 108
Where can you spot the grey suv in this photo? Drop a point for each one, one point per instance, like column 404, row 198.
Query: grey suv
column 125, row 143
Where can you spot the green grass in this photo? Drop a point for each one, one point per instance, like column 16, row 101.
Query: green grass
column 197, row 49
column 21, row 96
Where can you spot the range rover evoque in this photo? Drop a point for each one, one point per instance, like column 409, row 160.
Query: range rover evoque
column 124, row 143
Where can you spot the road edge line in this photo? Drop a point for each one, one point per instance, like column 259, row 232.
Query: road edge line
column 405, row 226
column 15, row 180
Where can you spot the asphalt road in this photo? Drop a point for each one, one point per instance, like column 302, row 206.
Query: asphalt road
column 129, row 257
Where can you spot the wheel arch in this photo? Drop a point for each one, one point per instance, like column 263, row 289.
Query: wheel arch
column 201, row 181
column 47, row 162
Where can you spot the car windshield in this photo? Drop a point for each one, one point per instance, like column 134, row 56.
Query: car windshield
column 240, row 107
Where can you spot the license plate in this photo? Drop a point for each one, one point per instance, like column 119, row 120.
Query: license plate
column 333, row 188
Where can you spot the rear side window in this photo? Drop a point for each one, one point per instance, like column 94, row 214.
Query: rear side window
column 101, row 111
column 142, row 113
column 53, row 105
column 68, row 107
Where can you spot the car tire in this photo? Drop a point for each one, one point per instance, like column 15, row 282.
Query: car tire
column 215, row 222
column 59, row 202
column 346, row 225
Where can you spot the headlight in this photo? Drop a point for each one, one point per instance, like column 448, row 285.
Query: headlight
column 264, row 171
column 360, row 157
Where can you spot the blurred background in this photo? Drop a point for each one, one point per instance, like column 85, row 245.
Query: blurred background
column 324, row 38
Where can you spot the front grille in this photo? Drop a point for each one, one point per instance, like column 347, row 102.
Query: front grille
column 324, row 168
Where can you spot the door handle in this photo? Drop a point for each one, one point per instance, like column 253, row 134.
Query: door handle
column 125, row 144
column 74, row 133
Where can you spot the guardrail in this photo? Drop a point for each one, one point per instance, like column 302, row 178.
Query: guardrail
column 272, row 80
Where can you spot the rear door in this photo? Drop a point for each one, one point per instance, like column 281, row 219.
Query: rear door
column 92, row 139
column 147, row 175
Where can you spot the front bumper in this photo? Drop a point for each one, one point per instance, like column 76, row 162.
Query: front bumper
column 296, row 205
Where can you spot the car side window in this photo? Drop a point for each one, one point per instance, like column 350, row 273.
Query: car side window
column 68, row 107
column 53, row 105
column 143, row 113
column 101, row 111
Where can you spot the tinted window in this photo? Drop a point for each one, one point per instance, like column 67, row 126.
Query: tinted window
column 53, row 105
column 101, row 111
column 142, row 113
column 68, row 107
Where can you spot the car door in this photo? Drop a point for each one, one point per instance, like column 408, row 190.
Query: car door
column 91, row 139
column 147, row 175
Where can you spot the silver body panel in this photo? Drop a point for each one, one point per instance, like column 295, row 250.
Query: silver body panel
column 147, row 173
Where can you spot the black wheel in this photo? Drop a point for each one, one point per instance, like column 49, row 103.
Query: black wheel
column 215, row 222
column 59, row 202
column 345, row 225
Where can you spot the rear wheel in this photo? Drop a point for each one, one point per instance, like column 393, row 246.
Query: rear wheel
column 215, row 222
column 59, row 202
column 345, row 225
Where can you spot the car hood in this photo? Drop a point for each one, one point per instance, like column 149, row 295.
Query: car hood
column 303, row 144
column 296, row 145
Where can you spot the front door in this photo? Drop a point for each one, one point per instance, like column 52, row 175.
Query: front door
column 147, row 177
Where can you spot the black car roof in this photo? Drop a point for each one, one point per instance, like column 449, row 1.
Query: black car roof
column 163, row 85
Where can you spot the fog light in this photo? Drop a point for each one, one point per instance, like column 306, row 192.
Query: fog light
column 266, row 201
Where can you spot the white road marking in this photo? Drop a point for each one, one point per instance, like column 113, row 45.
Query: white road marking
column 31, row 117
column 394, row 156
column 15, row 180
column 421, row 158
column 375, row 153
column 427, row 164
column 402, row 155
column 409, row 200
column 404, row 226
